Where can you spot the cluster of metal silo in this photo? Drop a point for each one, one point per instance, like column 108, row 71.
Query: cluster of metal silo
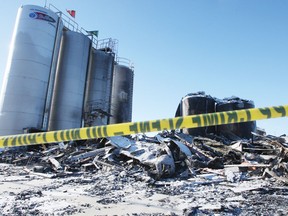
column 58, row 77
column 200, row 103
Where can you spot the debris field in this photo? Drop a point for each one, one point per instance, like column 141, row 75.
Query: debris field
column 170, row 173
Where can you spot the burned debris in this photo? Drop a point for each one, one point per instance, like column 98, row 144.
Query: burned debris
column 169, row 164
column 166, row 155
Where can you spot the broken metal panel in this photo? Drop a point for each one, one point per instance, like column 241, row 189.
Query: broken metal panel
column 120, row 142
column 183, row 148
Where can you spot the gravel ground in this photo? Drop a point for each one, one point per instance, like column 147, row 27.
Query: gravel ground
column 114, row 192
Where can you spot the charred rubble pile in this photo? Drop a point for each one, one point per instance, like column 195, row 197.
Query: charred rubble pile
column 166, row 155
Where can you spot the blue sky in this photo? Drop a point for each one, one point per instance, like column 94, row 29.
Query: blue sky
column 222, row 47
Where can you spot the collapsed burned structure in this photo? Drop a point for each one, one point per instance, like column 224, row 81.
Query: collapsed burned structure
column 168, row 154
column 60, row 76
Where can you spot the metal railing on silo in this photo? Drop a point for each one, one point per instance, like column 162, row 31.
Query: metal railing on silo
column 108, row 45
column 125, row 62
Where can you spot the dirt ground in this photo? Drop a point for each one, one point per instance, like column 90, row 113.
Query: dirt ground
column 114, row 192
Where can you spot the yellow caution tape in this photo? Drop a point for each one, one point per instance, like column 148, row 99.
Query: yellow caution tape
column 192, row 121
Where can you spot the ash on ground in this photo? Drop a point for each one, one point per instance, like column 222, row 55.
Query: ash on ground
column 169, row 174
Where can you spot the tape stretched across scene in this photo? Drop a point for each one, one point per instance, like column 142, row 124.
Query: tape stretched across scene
column 192, row 121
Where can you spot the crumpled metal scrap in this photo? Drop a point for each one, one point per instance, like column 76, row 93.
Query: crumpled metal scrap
column 168, row 154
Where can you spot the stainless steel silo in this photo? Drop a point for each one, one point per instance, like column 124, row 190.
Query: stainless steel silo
column 26, row 78
column 99, row 87
column 69, row 89
column 122, row 94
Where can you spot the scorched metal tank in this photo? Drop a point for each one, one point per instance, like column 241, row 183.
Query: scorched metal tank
column 69, row 89
column 196, row 103
column 237, row 130
column 122, row 94
column 26, row 78
column 99, row 87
